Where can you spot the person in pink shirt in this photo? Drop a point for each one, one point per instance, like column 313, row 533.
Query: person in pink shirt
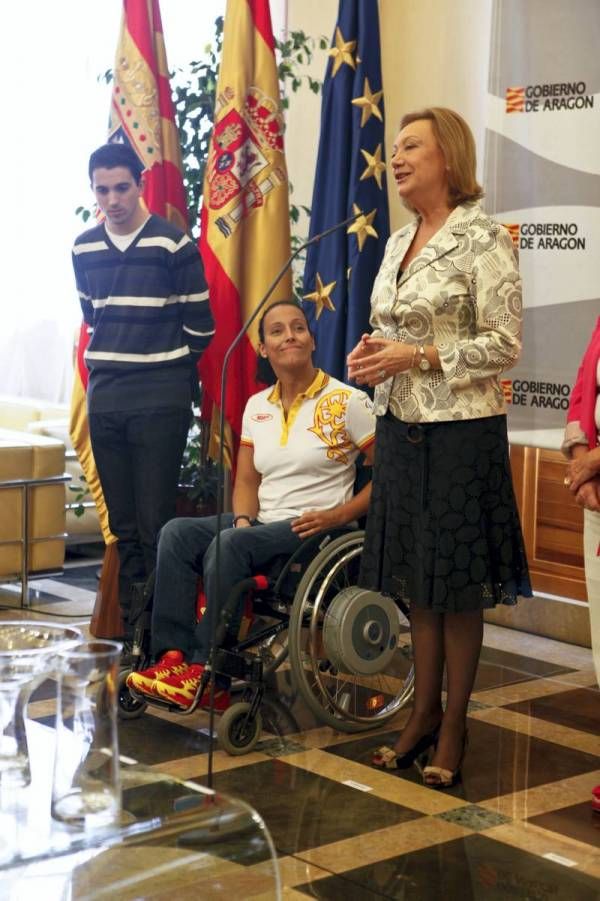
column 582, row 447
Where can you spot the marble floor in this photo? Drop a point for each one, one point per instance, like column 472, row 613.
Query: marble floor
column 518, row 826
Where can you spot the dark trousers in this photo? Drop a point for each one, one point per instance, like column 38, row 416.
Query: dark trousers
column 138, row 456
column 187, row 548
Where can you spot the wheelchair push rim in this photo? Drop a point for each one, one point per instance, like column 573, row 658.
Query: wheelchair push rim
column 335, row 682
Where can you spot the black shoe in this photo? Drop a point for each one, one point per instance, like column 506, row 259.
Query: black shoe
column 386, row 758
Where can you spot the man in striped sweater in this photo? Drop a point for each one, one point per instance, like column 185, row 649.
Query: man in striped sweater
column 144, row 299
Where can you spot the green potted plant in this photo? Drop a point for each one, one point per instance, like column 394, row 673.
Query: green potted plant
column 197, row 494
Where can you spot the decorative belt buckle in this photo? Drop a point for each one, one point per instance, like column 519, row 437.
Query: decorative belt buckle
column 414, row 434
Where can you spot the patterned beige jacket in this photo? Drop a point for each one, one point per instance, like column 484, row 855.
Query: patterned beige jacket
column 462, row 293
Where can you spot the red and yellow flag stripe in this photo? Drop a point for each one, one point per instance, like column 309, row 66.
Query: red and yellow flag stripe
column 142, row 110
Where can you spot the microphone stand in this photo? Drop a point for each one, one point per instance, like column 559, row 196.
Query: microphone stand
column 212, row 608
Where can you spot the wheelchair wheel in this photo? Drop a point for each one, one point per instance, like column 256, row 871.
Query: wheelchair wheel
column 349, row 648
column 128, row 707
column 237, row 735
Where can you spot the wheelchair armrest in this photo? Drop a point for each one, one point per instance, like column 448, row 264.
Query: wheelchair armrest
column 308, row 548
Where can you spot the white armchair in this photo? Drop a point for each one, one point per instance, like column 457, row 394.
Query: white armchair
column 34, row 417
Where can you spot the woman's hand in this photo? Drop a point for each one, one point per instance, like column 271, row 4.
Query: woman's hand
column 375, row 359
column 582, row 468
column 588, row 496
column 314, row 521
column 356, row 357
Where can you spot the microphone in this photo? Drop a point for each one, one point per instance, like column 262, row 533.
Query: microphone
column 221, row 465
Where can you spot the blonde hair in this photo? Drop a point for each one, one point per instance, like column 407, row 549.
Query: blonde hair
column 457, row 143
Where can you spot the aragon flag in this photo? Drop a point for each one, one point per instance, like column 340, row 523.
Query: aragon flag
column 141, row 115
column 350, row 178
column 245, row 230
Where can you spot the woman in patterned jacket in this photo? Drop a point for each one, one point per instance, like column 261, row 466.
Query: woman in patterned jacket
column 443, row 530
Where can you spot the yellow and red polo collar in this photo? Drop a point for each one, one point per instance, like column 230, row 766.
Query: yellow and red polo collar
column 320, row 380
column 318, row 383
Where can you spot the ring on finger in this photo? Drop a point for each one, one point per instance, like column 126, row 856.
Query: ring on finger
column 382, row 374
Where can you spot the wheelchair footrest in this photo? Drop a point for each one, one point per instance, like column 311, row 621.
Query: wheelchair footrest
column 154, row 701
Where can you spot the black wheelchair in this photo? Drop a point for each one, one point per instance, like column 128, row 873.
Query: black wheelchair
column 348, row 648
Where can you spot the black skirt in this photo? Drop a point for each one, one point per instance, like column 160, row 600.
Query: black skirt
column 443, row 531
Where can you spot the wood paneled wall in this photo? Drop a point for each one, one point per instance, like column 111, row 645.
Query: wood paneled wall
column 552, row 522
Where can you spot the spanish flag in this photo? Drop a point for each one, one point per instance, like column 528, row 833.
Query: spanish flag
column 142, row 115
column 245, row 228
column 142, row 112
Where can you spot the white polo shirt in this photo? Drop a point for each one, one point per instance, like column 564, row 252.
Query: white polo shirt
column 307, row 461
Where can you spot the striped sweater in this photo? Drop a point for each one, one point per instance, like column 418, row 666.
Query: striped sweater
column 147, row 306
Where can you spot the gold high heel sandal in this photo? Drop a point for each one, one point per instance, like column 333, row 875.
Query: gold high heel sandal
column 439, row 777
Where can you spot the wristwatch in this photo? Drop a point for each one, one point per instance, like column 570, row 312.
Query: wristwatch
column 237, row 518
column 424, row 363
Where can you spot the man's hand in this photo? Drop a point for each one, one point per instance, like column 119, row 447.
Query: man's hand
column 314, row 521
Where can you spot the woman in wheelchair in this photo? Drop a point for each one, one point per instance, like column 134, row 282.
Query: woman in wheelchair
column 295, row 477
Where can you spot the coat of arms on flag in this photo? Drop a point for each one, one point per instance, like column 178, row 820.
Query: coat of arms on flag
column 245, row 225
column 246, row 156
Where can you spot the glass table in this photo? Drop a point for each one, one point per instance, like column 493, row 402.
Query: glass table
column 176, row 839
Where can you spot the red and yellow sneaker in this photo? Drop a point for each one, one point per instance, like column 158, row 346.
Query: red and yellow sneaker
column 222, row 698
column 144, row 680
column 181, row 688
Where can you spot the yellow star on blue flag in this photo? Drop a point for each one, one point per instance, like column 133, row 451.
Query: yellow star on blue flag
column 368, row 103
column 375, row 165
column 341, row 52
column 321, row 296
column 362, row 226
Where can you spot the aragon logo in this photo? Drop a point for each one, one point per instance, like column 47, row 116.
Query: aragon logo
column 506, row 385
column 262, row 417
column 546, row 235
column 544, row 98
column 515, row 100
column 533, row 393
column 514, row 231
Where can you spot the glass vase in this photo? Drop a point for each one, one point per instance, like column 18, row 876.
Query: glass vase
column 28, row 653
column 86, row 789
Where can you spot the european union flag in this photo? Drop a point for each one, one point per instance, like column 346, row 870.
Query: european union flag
column 350, row 176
